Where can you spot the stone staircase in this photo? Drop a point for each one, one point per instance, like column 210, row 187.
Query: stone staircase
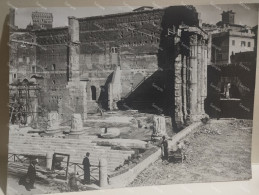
column 76, row 148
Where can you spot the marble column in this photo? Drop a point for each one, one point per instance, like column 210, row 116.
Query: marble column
column 205, row 64
column 159, row 125
column 178, row 90
column 53, row 123
column 76, row 87
column 74, row 48
column 209, row 47
column 83, row 85
column 199, row 75
column 193, row 77
column 184, row 88
column 188, row 86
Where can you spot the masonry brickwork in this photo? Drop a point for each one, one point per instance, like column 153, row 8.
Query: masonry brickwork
column 157, row 57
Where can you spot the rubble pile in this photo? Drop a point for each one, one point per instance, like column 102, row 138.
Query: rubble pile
column 209, row 131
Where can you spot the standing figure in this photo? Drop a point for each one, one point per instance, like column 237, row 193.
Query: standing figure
column 164, row 147
column 228, row 88
column 99, row 109
column 87, row 165
column 31, row 175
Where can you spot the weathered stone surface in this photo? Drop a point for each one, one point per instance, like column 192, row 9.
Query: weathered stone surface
column 114, row 89
column 108, row 73
column 53, row 120
column 159, row 126
column 122, row 143
column 76, row 122
column 110, row 132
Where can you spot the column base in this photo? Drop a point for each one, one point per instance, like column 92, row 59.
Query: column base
column 197, row 117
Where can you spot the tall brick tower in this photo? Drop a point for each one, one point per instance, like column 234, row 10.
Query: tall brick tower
column 42, row 20
column 228, row 17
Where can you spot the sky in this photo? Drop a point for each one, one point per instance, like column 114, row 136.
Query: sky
column 246, row 14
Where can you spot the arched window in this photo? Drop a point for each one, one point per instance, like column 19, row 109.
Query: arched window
column 93, row 91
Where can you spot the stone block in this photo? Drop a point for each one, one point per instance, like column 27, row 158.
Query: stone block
column 53, row 120
column 76, row 122
column 159, row 126
column 110, row 132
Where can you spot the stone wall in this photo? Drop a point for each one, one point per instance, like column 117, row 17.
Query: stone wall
column 160, row 54
column 144, row 45
column 129, row 40
column 52, row 65
column 22, row 55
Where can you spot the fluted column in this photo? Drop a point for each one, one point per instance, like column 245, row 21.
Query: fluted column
column 83, row 85
column 184, row 87
column 74, row 48
column 205, row 64
column 178, row 90
column 188, row 72
column 76, row 87
column 193, row 76
column 201, row 76
column 209, row 47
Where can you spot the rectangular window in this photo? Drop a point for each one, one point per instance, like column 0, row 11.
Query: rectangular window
column 28, row 60
column 114, row 50
column 233, row 42
column 243, row 43
column 33, row 69
column 249, row 44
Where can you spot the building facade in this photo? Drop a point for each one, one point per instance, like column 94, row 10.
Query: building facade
column 229, row 38
column 42, row 20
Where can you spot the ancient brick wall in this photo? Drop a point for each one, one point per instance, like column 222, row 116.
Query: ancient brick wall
column 52, row 65
column 130, row 40
column 143, row 45
column 22, row 55
column 76, row 64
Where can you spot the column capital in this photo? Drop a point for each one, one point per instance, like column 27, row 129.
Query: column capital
column 193, row 39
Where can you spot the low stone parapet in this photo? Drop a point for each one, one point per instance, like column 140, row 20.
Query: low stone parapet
column 127, row 177
column 123, row 143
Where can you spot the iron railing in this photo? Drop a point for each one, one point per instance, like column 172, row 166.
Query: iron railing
column 79, row 165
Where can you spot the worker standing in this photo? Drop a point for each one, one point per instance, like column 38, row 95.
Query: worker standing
column 87, row 165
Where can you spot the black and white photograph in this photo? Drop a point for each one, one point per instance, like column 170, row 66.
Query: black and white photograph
column 106, row 97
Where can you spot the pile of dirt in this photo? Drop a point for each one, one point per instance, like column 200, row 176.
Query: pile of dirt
column 210, row 129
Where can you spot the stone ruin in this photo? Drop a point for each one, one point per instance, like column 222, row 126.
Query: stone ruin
column 110, row 133
column 76, row 124
column 53, row 125
column 159, row 127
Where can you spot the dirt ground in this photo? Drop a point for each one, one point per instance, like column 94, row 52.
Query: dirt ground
column 14, row 188
column 217, row 151
column 41, row 187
